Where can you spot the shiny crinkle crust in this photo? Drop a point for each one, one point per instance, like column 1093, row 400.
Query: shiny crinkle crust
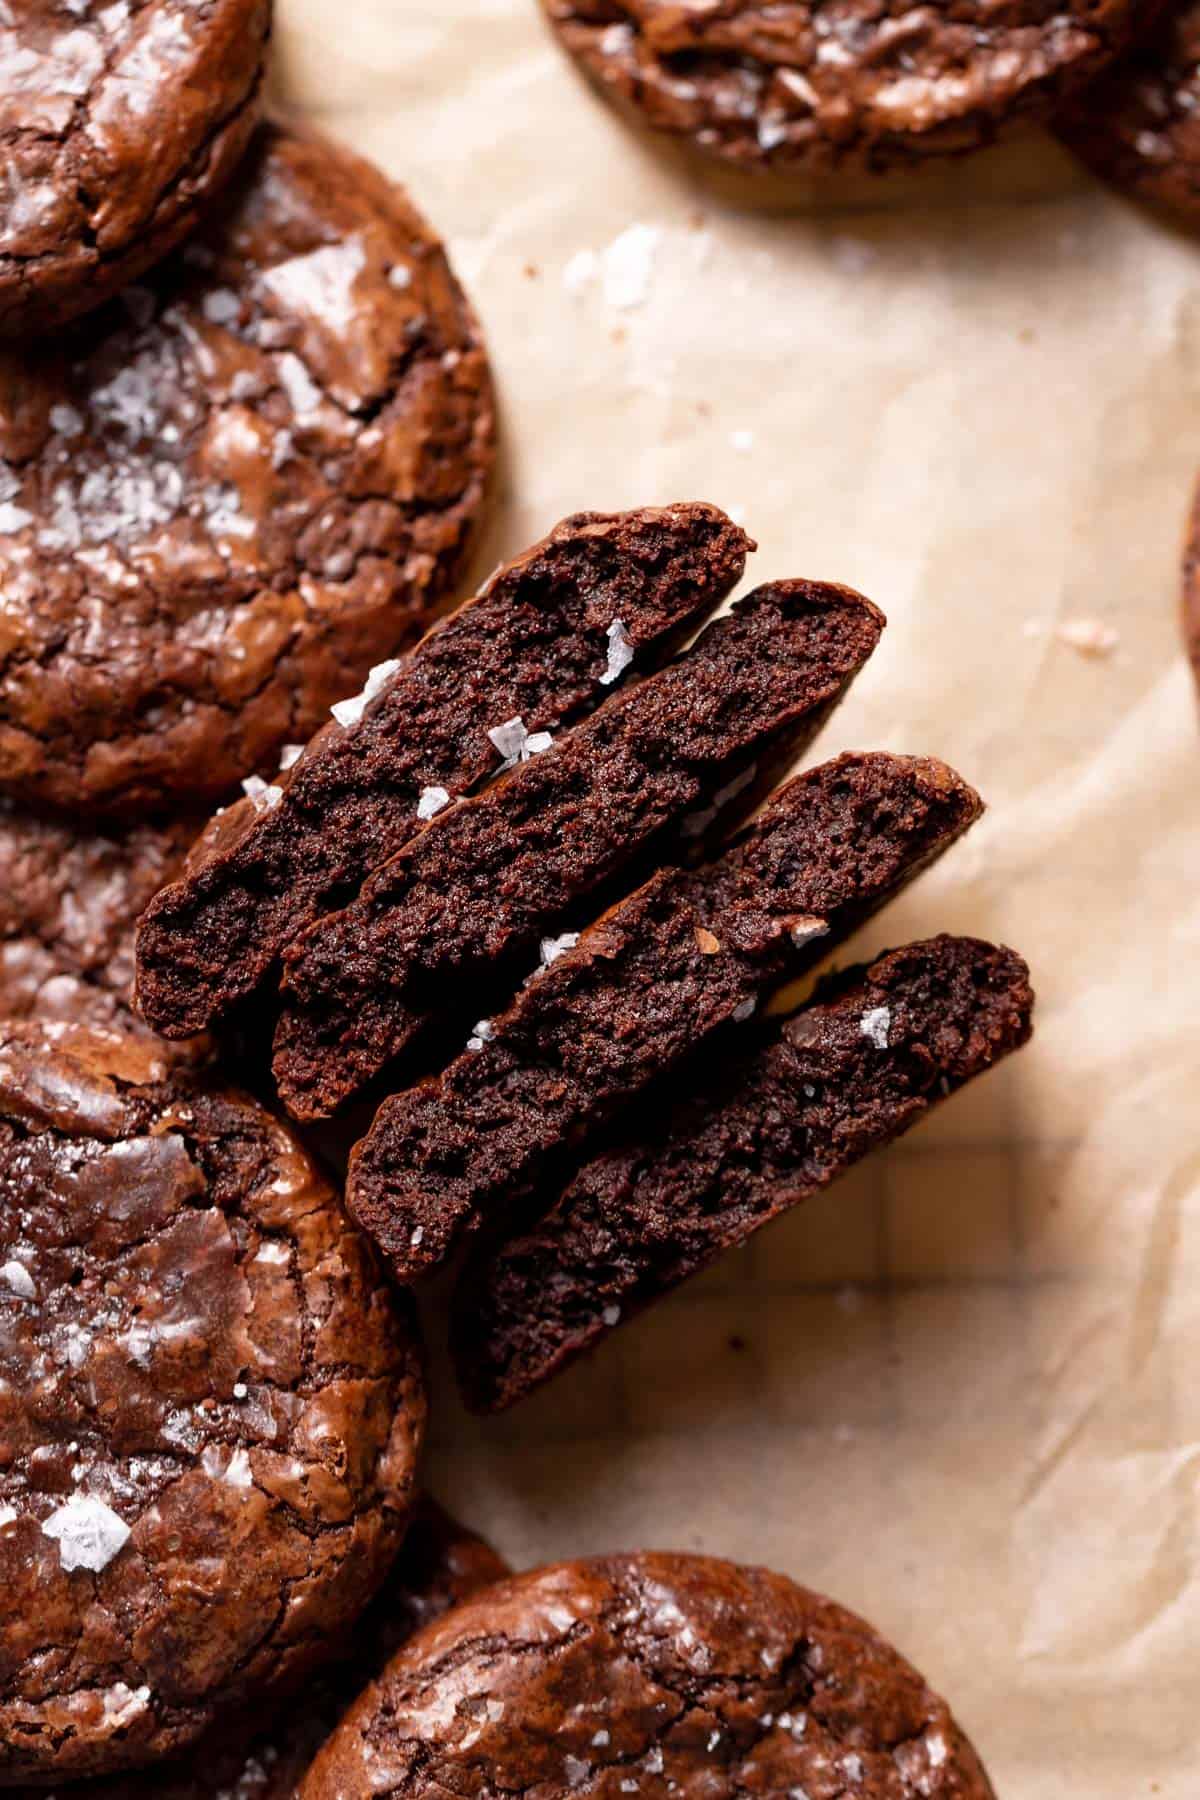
column 655, row 1675
column 228, row 494
column 1139, row 125
column 118, row 124
column 814, row 86
column 210, row 1408
column 69, row 901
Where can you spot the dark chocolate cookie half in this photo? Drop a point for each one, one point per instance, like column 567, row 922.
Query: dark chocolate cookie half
column 725, row 1149
column 825, row 83
column 440, row 1564
column 653, row 1675
column 1138, row 126
column 230, row 492
column 118, row 124
column 69, row 902
column 210, row 1408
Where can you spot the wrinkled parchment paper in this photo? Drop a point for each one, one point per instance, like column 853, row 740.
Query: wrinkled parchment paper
column 960, row 1392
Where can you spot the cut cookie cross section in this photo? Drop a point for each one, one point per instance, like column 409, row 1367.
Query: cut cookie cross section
column 723, row 1152
column 532, row 648
column 687, row 954
column 491, row 876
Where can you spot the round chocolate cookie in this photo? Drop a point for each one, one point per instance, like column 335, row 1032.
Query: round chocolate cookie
column 440, row 1564
column 654, row 1675
column 118, row 123
column 1139, row 125
column 69, row 902
column 823, row 84
column 229, row 493
column 210, row 1408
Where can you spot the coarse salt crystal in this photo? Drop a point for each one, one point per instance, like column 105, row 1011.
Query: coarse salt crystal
column 482, row 1033
column 418, row 1235
column 89, row 1533
column 263, row 795
column 742, row 441
column 515, row 744
column 399, row 276
column 551, row 949
column 19, row 1279
column 611, row 1316
column 8, row 1514
column 601, row 1740
column 745, row 1010
column 240, row 1390
column 221, row 306
column 620, row 653
column 291, row 753
column 349, row 712
column 806, row 931
column 66, row 420
column 628, row 265
column 431, row 802
column 875, row 1024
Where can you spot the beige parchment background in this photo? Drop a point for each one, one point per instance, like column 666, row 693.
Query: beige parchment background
column 961, row 1393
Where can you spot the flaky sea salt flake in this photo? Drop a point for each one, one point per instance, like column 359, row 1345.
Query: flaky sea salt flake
column 349, row 712
column 431, row 802
column 875, row 1024
column 620, row 653
column 19, row 1279
column 551, row 948
column 89, row 1533
column 628, row 265
column 262, row 795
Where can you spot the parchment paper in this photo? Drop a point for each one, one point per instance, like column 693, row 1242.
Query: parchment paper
column 967, row 1402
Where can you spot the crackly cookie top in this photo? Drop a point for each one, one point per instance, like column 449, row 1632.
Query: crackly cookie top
column 69, row 901
column 209, row 1407
column 229, row 493
column 1139, row 126
column 655, row 1675
column 823, row 82
column 116, row 116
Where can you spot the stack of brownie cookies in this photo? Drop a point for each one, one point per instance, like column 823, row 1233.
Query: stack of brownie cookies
column 506, row 915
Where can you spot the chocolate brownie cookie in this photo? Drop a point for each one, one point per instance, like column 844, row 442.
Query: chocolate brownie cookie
column 69, row 902
column 227, row 494
column 118, row 124
column 1138, row 126
column 547, row 637
column 480, row 885
column 732, row 1147
column 210, row 1408
column 825, row 83
column 689, row 953
column 653, row 1675
column 440, row 1565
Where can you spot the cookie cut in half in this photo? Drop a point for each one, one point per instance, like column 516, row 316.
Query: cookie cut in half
column 809, row 87
column 476, row 890
column 723, row 1150
column 439, row 1565
column 690, row 953
column 120, row 124
column 548, row 637
column 1138, row 126
column 654, row 1675
column 212, row 1406
column 231, row 491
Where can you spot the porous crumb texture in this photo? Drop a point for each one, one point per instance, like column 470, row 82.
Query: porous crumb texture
column 210, row 1408
column 229, row 492
column 491, row 875
column 118, row 125
column 440, row 1564
column 813, row 86
column 69, row 902
column 535, row 645
column 1138, row 126
column 721, row 1152
column 689, row 953
column 653, row 1675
